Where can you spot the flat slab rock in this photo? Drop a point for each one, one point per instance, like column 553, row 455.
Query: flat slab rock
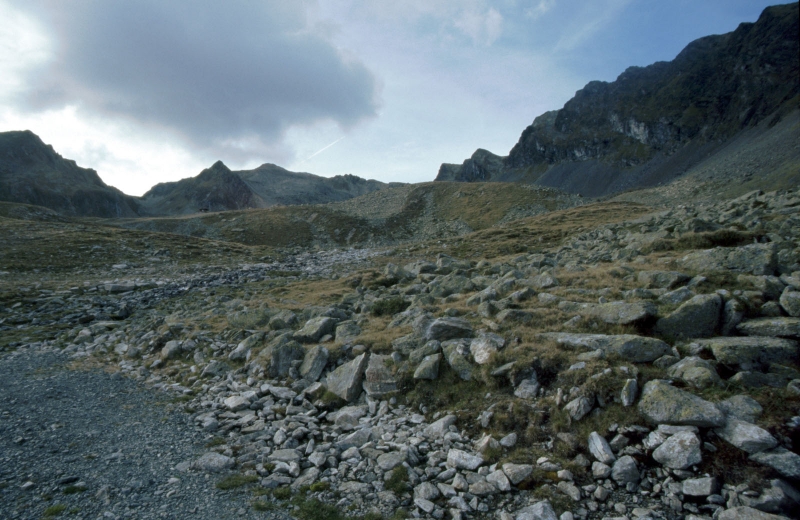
column 662, row 403
column 775, row 327
column 635, row 349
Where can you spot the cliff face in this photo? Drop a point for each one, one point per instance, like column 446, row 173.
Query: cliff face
column 31, row 172
column 656, row 116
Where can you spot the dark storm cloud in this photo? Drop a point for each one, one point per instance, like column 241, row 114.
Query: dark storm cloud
column 220, row 73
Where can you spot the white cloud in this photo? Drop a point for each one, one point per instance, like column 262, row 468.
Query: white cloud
column 540, row 9
column 588, row 21
column 482, row 27
column 23, row 46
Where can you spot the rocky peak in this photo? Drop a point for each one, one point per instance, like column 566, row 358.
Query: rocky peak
column 715, row 88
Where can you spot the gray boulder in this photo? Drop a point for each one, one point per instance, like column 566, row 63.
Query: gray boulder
column 282, row 357
column 538, row 511
column 696, row 318
column 456, row 354
column 241, row 350
column 378, row 378
column 774, row 327
column 661, row 279
column 516, row 473
column 406, row 344
column 215, row 369
column 732, row 315
column 662, row 403
column 428, row 367
column 600, row 449
column 172, row 350
column 790, row 301
column 283, row 320
column 680, row 451
column 746, row 353
column 213, row 462
column 694, row 371
column 700, row 487
column 508, row 316
column 485, row 345
column 746, row 436
column 623, row 313
column 345, row 381
column 742, row 407
column 785, row 462
column 443, row 329
column 625, row 470
column 437, row 429
column 428, row 349
column 314, row 363
column 315, row 328
column 461, row 459
column 757, row 259
column 347, row 332
column 631, row 348
column 579, row 408
column 747, row 513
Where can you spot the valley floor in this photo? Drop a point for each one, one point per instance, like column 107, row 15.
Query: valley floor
column 594, row 362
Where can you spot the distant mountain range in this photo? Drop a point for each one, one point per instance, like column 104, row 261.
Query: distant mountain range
column 31, row 172
column 655, row 123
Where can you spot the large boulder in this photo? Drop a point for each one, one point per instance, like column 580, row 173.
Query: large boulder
column 485, row 345
column 448, row 328
column 315, row 328
column 746, row 436
column 785, row 462
column 696, row 318
column 622, row 313
column 662, row 403
column 378, row 378
column 679, row 451
column 282, row 358
column 757, row 259
column 748, row 353
column 747, row 513
column 345, row 381
column 662, row 279
column 773, row 327
column 790, row 301
column 347, row 332
column 694, row 371
column 457, row 354
column 632, row 348
column 428, row 367
column 314, row 363
column 244, row 347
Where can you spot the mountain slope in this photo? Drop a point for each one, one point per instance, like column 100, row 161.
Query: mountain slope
column 655, row 123
column 215, row 189
column 31, row 172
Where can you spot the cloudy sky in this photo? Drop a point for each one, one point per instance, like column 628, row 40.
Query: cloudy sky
column 150, row 91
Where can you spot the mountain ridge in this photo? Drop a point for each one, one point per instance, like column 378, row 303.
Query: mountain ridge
column 644, row 128
column 32, row 172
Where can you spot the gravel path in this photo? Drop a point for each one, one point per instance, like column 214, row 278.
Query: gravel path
column 102, row 445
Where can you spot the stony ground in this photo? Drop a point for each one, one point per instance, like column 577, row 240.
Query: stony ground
column 643, row 369
column 98, row 445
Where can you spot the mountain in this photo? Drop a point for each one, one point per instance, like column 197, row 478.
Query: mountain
column 655, row 123
column 31, row 172
column 220, row 189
